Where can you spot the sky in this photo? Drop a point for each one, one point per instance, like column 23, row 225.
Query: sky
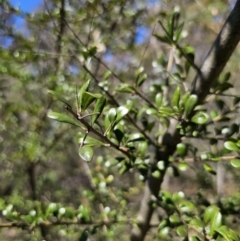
column 26, row 5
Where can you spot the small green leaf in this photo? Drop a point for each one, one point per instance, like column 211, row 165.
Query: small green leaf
column 138, row 72
column 196, row 222
column 190, row 104
column 213, row 218
column 200, row 118
column 166, row 111
column 156, row 174
column 112, row 114
column 89, row 141
column 86, row 153
column 135, row 137
column 107, row 75
column 174, row 219
column 231, row 146
column 58, row 96
column 87, row 99
column 183, row 166
column 235, row 163
column 121, row 112
column 99, row 106
column 182, row 231
column 125, row 88
column 182, row 149
column 163, row 39
column 141, row 79
column 82, row 90
column 64, row 118
column 209, row 169
column 158, row 100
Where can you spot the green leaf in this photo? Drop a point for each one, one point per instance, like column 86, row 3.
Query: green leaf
column 158, row 100
column 235, row 163
column 182, row 231
column 176, row 97
column 99, row 106
column 227, row 233
column 213, row 218
column 197, row 223
column 182, row 149
column 121, row 112
column 209, row 169
column 89, row 141
column 59, row 97
column 110, row 120
column 64, row 118
column 222, row 87
column 166, row 111
column 87, row 99
column 112, row 114
column 141, row 79
column 82, row 90
column 125, row 88
column 163, row 39
column 84, row 235
column 183, row 166
column 231, row 146
column 86, row 153
column 119, row 134
column 190, row 104
column 135, row 137
column 107, row 75
column 156, row 174
column 174, row 219
column 200, row 118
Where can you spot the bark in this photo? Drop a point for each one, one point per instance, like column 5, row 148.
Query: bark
column 212, row 66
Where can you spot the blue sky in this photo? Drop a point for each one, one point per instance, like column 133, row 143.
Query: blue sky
column 26, row 5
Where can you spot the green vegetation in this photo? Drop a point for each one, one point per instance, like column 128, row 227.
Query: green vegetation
column 115, row 126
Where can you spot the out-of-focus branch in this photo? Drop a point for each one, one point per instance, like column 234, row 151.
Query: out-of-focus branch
column 214, row 63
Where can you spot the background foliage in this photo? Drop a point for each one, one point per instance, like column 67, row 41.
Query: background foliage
column 119, row 73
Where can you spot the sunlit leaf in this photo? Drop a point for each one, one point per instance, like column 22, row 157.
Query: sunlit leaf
column 190, row 104
column 158, row 99
column 89, row 141
column 235, row 163
column 135, row 137
column 121, row 112
column 125, row 88
column 200, row 118
column 209, row 169
column 213, row 218
column 231, row 146
column 63, row 118
column 182, row 231
column 227, row 233
column 99, row 106
column 86, row 153
column 182, row 149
